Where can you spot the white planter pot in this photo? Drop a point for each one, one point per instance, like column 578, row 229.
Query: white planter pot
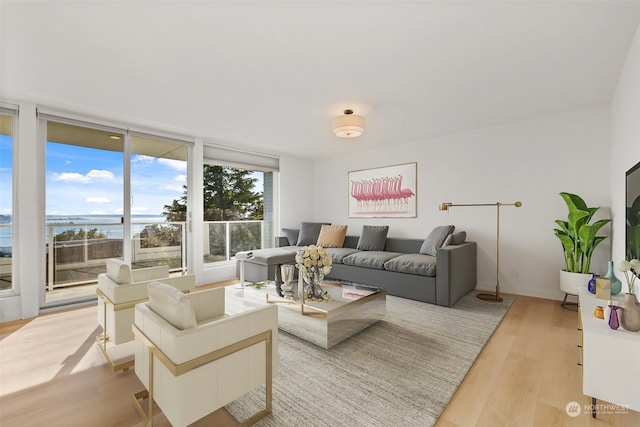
column 570, row 282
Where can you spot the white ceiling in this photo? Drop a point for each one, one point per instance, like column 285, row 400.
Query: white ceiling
column 272, row 75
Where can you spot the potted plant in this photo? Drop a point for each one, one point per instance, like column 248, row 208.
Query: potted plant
column 579, row 239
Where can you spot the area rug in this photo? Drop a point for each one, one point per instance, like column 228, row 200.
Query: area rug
column 401, row 371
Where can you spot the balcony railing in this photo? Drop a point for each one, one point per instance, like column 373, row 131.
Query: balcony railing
column 78, row 262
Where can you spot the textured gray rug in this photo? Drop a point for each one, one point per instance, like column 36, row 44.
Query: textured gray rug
column 401, row 371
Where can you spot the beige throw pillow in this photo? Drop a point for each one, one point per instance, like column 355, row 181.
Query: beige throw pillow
column 332, row 236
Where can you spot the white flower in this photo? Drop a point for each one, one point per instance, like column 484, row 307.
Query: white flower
column 313, row 258
column 630, row 269
column 624, row 266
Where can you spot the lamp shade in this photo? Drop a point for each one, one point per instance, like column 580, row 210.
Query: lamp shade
column 348, row 125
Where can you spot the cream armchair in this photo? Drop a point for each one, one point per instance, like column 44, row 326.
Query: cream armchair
column 119, row 290
column 193, row 359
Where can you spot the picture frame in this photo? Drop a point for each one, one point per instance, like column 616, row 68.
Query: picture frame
column 384, row 192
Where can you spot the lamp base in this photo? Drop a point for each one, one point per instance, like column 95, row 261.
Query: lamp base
column 490, row 297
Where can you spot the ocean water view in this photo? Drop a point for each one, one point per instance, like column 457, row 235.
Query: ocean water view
column 110, row 225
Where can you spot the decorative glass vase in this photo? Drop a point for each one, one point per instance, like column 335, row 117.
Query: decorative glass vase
column 613, row 319
column 630, row 313
column 591, row 284
column 312, row 289
column 616, row 284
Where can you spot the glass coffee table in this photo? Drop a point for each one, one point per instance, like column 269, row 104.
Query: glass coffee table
column 350, row 309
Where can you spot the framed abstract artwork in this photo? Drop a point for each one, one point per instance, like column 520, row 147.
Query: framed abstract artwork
column 386, row 192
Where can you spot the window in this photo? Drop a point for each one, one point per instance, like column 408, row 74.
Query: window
column 7, row 125
column 238, row 202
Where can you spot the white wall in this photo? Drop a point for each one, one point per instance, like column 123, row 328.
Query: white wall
column 296, row 197
column 530, row 161
column 625, row 140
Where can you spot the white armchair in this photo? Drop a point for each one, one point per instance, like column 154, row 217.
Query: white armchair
column 119, row 290
column 193, row 359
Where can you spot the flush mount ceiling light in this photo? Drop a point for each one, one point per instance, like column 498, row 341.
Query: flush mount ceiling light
column 348, row 125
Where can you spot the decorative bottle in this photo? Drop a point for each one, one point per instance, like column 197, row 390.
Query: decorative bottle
column 616, row 284
column 613, row 319
column 591, row 284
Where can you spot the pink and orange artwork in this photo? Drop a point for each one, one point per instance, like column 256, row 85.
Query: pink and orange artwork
column 388, row 191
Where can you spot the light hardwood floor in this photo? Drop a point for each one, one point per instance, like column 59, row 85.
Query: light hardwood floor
column 52, row 374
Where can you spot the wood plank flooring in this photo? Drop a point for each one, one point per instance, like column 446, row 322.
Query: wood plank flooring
column 52, row 374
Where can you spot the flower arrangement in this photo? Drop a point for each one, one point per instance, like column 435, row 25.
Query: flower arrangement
column 631, row 269
column 313, row 259
column 314, row 262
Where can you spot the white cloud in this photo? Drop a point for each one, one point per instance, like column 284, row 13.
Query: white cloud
column 180, row 178
column 139, row 158
column 70, row 177
column 78, row 178
column 139, row 210
column 176, row 188
column 100, row 174
column 98, row 213
column 97, row 200
column 179, row 165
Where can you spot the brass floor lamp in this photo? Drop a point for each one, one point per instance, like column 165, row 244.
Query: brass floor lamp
column 488, row 297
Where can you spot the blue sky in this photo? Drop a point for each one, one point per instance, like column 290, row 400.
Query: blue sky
column 5, row 174
column 87, row 181
column 83, row 180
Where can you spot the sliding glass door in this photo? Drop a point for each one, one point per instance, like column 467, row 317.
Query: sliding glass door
column 158, row 178
column 84, row 208
column 7, row 125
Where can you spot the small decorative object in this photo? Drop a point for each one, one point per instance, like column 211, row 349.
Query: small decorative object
column 607, row 310
column 287, row 279
column 603, row 288
column 631, row 269
column 591, row 284
column 616, row 284
column 630, row 313
column 613, row 319
column 599, row 312
column 313, row 262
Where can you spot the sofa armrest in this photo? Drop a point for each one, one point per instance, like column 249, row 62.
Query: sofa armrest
column 456, row 272
column 281, row 241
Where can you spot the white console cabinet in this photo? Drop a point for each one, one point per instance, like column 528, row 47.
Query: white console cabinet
column 610, row 358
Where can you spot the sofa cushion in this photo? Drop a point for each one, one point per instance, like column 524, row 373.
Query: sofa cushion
column 292, row 235
column 435, row 239
column 309, row 232
column 338, row 254
column 423, row 265
column 455, row 239
column 332, row 236
column 373, row 238
column 172, row 305
column 118, row 271
column 369, row 259
column 273, row 256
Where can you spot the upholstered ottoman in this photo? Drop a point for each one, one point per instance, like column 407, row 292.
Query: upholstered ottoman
column 265, row 264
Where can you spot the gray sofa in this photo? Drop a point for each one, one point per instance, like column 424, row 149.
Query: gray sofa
column 400, row 268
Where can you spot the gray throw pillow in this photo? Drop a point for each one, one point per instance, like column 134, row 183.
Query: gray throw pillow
column 435, row 239
column 309, row 232
column 455, row 238
column 292, row 235
column 373, row 238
